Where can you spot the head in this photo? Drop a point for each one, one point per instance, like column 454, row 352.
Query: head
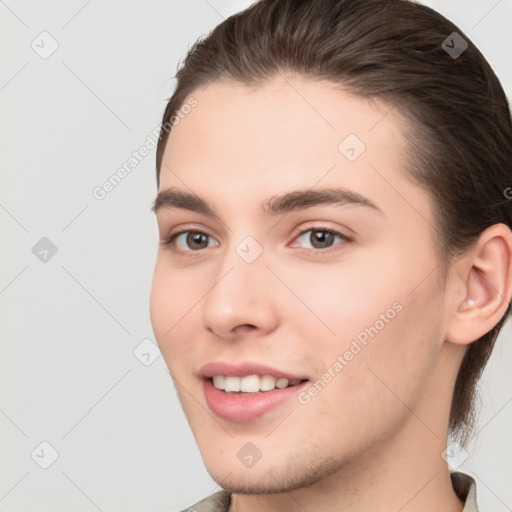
column 314, row 95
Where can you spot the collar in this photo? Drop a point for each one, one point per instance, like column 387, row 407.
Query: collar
column 463, row 485
column 465, row 488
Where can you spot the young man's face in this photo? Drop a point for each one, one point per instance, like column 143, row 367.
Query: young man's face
column 361, row 318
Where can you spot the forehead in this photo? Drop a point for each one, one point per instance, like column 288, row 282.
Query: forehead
column 243, row 144
column 286, row 119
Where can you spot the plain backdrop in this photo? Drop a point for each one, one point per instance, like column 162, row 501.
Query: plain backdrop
column 83, row 389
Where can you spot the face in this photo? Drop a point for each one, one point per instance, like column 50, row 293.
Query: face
column 333, row 286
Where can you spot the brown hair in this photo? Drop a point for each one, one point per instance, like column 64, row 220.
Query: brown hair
column 460, row 143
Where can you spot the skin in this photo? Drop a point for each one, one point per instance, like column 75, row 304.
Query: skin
column 373, row 438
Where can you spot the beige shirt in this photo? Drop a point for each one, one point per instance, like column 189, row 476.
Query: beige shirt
column 463, row 485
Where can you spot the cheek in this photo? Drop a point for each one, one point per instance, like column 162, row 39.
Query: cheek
column 171, row 306
column 346, row 296
column 385, row 333
column 381, row 297
column 159, row 304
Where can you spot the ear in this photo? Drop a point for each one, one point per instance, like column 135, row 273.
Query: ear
column 484, row 286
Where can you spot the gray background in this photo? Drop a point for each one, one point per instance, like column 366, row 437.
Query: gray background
column 73, row 371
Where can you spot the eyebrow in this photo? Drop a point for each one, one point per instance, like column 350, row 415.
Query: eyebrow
column 173, row 198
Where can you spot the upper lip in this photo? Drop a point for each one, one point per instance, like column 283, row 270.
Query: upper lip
column 245, row 368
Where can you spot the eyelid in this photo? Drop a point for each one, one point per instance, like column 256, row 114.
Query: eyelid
column 319, row 226
column 185, row 229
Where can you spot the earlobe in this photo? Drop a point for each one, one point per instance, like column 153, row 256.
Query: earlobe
column 487, row 286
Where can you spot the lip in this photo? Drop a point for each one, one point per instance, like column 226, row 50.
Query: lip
column 246, row 368
column 246, row 408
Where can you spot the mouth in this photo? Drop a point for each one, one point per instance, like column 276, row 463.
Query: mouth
column 248, row 391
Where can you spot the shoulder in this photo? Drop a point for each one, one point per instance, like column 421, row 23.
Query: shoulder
column 218, row 502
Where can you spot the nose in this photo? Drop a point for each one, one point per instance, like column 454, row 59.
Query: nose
column 240, row 302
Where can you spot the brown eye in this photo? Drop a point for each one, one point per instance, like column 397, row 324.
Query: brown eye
column 321, row 238
column 188, row 241
column 196, row 240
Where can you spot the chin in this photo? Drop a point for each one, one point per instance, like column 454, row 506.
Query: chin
column 278, row 477
column 246, row 482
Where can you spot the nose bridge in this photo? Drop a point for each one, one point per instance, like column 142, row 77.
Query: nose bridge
column 238, row 295
column 242, row 268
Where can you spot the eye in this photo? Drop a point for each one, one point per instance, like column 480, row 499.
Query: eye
column 321, row 238
column 196, row 240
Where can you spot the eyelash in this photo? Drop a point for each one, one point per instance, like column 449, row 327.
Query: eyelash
column 170, row 240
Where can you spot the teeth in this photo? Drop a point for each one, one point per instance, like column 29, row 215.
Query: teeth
column 267, row 383
column 231, row 383
column 281, row 383
column 218, row 381
column 251, row 383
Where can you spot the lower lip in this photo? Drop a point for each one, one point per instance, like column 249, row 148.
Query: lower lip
column 245, row 408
